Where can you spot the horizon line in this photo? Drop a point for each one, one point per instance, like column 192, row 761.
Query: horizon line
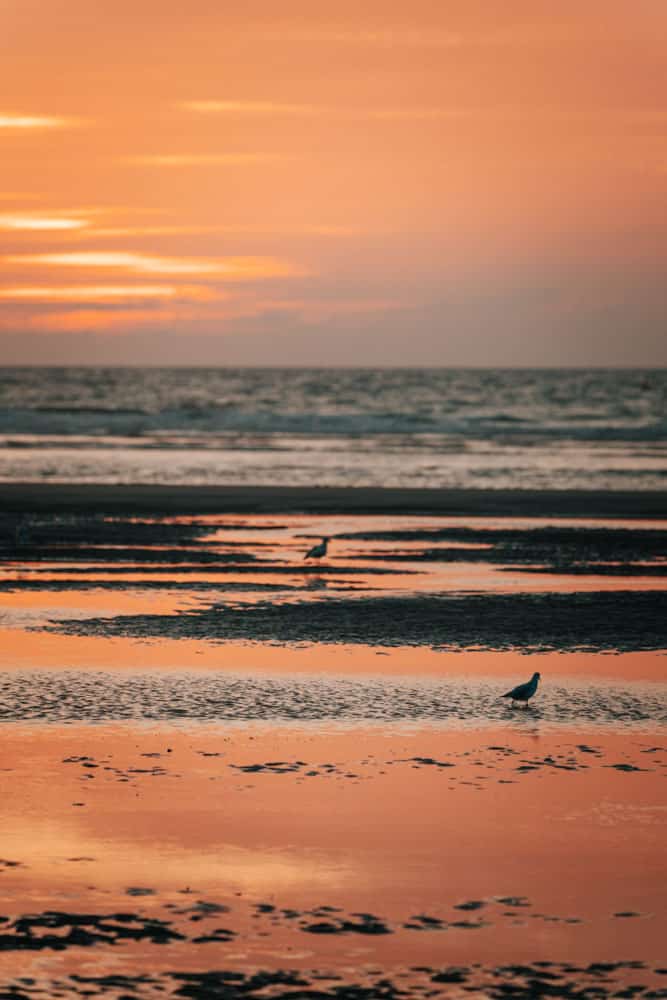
column 350, row 367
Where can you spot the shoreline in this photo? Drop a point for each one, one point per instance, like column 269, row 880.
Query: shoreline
column 56, row 498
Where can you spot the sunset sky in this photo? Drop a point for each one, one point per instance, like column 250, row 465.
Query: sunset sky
column 298, row 182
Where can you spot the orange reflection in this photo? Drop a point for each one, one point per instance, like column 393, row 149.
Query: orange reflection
column 25, row 650
column 164, row 809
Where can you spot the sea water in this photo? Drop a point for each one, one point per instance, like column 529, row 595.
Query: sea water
column 474, row 428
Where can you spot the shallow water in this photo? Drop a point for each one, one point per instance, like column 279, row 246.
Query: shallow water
column 443, row 582
column 94, row 696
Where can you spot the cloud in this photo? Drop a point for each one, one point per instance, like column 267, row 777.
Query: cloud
column 317, row 110
column 594, row 115
column 201, row 159
column 101, row 293
column 94, row 320
column 418, row 114
column 540, row 32
column 230, row 268
column 399, row 37
column 38, row 223
column 14, row 120
column 316, row 229
column 249, row 107
column 218, row 317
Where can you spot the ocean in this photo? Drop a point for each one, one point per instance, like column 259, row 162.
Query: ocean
column 489, row 429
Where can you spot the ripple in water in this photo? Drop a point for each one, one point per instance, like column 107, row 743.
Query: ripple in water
column 71, row 696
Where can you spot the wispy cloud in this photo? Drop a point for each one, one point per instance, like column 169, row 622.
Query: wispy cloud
column 397, row 37
column 37, row 223
column 98, row 320
column 538, row 32
column 15, row 120
column 164, row 230
column 201, row 159
column 416, row 114
column 229, row 268
column 656, row 116
column 128, row 317
column 220, row 316
column 322, row 229
column 248, row 107
column 277, row 108
column 99, row 293
column 120, row 260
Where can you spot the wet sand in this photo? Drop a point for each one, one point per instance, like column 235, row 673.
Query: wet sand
column 164, row 850
column 90, row 497
column 227, row 773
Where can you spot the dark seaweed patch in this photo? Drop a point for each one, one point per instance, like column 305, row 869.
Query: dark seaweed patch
column 605, row 620
column 533, row 981
column 56, row 930
column 626, row 767
column 426, row 761
column 557, row 547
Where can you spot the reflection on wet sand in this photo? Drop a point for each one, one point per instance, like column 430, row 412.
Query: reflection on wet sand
column 188, row 851
column 94, row 815
column 30, row 650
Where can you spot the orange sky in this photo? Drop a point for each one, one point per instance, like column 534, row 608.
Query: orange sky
column 467, row 182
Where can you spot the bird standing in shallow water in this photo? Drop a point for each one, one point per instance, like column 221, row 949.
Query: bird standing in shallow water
column 524, row 692
column 318, row 551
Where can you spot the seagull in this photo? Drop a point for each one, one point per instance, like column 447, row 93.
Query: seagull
column 524, row 691
column 318, row 551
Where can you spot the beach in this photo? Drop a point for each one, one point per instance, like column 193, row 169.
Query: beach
column 333, row 500
column 232, row 772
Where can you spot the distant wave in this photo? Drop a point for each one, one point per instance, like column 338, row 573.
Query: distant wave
column 101, row 422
